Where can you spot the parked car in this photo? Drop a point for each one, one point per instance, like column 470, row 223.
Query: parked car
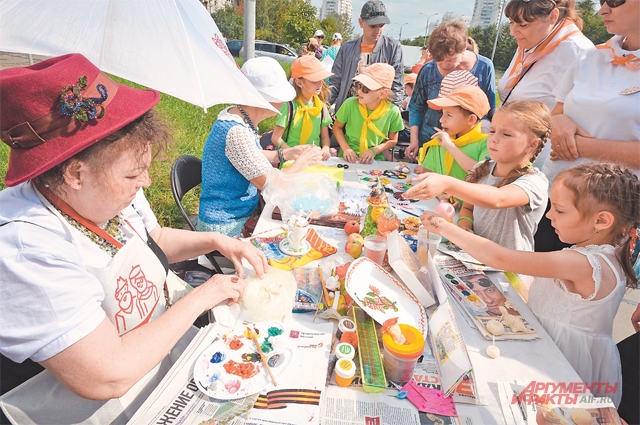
column 277, row 51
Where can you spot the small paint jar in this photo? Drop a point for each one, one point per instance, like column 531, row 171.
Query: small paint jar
column 345, row 371
column 351, row 338
column 344, row 350
column 400, row 359
column 345, row 325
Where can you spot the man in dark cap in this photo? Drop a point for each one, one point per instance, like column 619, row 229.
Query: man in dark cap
column 372, row 47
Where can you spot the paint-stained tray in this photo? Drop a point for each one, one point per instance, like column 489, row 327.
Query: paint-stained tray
column 231, row 367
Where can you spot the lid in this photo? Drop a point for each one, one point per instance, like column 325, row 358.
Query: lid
column 344, row 350
column 345, row 368
column 346, row 325
column 414, row 346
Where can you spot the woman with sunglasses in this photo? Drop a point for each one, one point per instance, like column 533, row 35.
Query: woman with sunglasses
column 597, row 116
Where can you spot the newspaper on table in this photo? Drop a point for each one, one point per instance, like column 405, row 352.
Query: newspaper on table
column 449, row 248
column 481, row 300
column 296, row 399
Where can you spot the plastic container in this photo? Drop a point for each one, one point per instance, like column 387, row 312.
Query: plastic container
column 345, row 371
column 345, row 325
column 344, row 350
column 400, row 360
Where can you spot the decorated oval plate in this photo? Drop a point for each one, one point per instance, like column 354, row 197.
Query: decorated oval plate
column 382, row 296
column 231, row 367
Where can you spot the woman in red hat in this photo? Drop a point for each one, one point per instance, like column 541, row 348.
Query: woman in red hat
column 83, row 263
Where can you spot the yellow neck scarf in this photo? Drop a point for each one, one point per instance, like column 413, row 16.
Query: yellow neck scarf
column 305, row 113
column 471, row 137
column 381, row 110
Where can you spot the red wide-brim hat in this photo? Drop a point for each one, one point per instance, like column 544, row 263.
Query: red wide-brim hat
column 54, row 109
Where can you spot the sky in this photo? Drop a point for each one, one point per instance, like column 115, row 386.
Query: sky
column 407, row 13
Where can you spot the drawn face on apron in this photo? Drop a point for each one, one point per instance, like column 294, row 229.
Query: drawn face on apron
column 132, row 280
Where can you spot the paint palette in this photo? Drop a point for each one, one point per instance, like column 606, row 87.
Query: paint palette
column 231, row 367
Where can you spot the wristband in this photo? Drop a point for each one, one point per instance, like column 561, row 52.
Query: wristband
column 464, row 217
column 374, row 151
column 281, row 156
column 280, row 144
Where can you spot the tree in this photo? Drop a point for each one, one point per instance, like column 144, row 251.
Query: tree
column 299, row 22
column 505, row 49
column 592, row 26
column 229, row 22
column 335, row 22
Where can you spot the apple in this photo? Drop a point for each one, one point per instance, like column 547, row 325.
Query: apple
column 356, row 237
column 352, row 226
column 354, row 248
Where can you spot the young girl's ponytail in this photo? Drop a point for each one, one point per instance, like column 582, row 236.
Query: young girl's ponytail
column 536, row 118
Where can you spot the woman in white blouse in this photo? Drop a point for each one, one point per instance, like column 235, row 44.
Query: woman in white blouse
column 597, row 117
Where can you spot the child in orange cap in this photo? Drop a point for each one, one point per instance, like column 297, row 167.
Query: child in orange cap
column 409, row 84
column 371, row 121
column 310, row 117
column 460, row 144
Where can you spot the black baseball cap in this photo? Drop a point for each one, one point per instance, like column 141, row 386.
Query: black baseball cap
column 374, row 13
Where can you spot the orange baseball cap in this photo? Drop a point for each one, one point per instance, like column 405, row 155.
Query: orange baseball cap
column 310, row 68
column 377, row 76
column 468, row 97
column 410, row 78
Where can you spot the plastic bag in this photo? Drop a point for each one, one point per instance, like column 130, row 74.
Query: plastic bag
column 301, row 193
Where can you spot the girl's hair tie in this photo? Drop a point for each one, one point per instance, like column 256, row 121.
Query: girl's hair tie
column 529, row 165
column 487, row 157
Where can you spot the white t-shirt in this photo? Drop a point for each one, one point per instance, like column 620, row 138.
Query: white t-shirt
column 590, row 91
column 48, row 300
column 543, row 76
column 513, row 228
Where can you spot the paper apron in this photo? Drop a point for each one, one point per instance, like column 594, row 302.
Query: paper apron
column 133, row 283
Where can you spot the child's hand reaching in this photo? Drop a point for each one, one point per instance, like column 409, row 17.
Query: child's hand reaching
column 367, row 156
column 445, row 139
column 326, row 153
column 427, row 186
column 421, row 170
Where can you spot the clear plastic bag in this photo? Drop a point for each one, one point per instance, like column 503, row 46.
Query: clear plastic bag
column 310, row 194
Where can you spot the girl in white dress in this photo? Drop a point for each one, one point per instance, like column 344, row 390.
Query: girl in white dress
column 577, row 291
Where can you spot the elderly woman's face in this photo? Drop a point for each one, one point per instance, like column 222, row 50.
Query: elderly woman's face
column 450, row 63
column 105, row 193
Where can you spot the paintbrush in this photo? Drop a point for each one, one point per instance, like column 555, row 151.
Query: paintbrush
column 262, row 356
column 324, row 290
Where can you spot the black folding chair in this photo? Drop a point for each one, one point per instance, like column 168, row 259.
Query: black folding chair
column 186, row 173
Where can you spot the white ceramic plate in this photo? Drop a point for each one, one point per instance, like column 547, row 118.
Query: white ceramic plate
column 382, row 296
column 213, row 369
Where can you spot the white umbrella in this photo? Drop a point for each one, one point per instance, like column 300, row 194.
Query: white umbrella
column 173, row 46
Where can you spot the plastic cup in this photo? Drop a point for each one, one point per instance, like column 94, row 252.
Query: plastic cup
column 374, row 248
column 427, row 243
column 297, row 235
column 400, row 360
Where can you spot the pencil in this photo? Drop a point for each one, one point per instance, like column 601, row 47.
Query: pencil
column 262, row 356
column 324, row 290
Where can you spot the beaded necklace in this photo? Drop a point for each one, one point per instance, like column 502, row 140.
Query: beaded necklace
column 247, row 120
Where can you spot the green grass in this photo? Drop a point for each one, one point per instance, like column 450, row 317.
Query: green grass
column 190, row 128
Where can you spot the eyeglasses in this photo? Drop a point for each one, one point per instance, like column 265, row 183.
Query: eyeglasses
column 612, row 3
column 483, row 281
column 319, row 36
column 359, row 86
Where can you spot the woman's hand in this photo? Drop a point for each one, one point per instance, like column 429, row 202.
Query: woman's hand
column 350, row 156
column 236, row 250
column 326, row 153
column 310, row 156
column 296, row 151
column 367, row 156
column 427, row 186
column 219, row 288
column 563, row 138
